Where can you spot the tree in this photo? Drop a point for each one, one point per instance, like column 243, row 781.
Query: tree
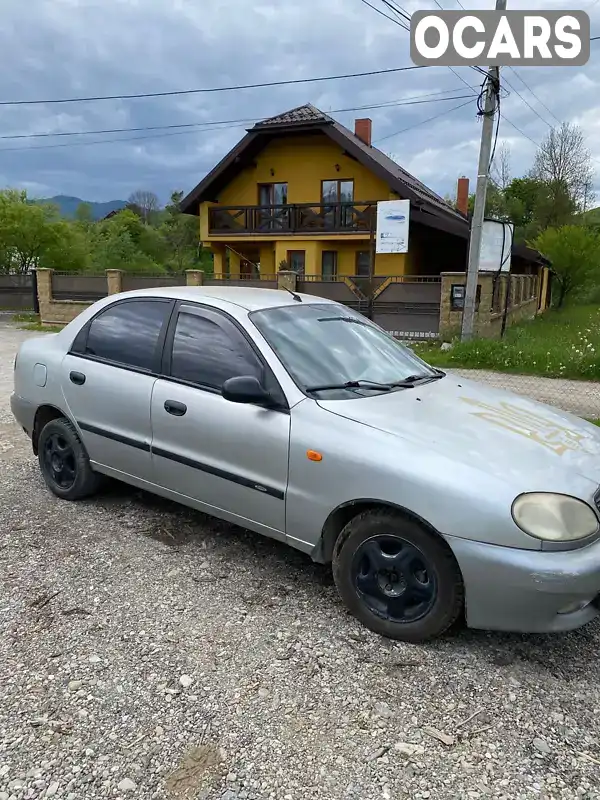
column 32, row 235
column 83, row 213
column 147, row 203
column 501, row 171
column 114, row 248
column 563, row 163
column 181, row 234
column 574, row 251
column 130, row 243
column 521, row 196
column 554, row 206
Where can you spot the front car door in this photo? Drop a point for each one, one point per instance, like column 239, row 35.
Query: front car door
column 107, row 379
column 230, row 458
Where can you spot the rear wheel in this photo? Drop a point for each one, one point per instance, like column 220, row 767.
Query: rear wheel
column 397, row 578
column 64, row 462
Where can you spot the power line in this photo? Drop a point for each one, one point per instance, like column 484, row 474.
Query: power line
column 416, row 100
column 407, row 16
column 111, row 141
column 527, row 103
column 506, row 119
column 397, row 10
column 210, row 90
column 527, row 86
column 383, row 14
column 221, row 125
column 416, row 125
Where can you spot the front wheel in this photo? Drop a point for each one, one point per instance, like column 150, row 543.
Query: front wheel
column 397, row 578
column 64, row 462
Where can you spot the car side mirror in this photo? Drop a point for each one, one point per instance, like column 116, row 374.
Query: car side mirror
column 246, row 389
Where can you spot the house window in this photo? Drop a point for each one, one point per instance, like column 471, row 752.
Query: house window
column 272, row 194
column 363, row 263
column 269, row 195
column 296, row 260
column 329, row 263
column 337, row 191
column 332, row 194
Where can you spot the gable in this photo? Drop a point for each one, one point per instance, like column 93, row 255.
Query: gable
column 302, row 161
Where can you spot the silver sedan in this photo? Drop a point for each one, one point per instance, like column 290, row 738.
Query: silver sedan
column 432, row 497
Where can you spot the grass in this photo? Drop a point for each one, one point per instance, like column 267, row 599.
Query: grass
column 28, row 317
column 558, row 344
column 28, row 321
column 37, row 326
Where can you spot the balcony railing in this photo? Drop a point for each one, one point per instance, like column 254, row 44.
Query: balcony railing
column 296, row 218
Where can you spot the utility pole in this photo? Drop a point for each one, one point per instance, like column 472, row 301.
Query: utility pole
column 483, row 173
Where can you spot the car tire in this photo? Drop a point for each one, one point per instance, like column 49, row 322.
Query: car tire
column 64, row 462
column 396, row 577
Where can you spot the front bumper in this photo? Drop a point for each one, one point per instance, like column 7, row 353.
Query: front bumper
column 24, row 412
column 526, row 590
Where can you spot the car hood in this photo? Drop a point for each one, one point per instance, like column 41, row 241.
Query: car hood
column 516, row 439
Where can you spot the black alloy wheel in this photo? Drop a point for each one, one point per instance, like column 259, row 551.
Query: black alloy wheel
column 396, row 576
column 64, row 461
column 394, row 579
column 59, row 460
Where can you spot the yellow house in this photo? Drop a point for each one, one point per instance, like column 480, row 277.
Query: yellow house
column 299, row 192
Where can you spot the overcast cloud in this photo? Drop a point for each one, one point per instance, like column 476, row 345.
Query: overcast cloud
column 68, row 48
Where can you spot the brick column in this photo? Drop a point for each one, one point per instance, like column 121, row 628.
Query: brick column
column 194, row 277
column 451, row 320
column 44, row 290
column 114, row 279
column 287, row 279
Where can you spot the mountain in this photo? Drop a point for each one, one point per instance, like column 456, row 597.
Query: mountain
column 68, row 205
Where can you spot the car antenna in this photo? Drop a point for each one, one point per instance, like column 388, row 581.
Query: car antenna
column 296, row 297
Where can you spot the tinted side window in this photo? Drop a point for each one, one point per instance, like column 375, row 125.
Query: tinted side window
column 128, row 332
column 208, row 353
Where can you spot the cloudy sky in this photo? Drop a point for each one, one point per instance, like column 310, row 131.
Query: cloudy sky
column 52, row 49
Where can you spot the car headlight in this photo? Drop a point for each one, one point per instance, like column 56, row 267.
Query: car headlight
column 554, row 517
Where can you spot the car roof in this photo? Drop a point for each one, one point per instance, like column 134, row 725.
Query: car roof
column 249, row 297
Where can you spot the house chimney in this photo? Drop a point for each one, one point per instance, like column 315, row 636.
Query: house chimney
column 462, row 195
column 362, row 129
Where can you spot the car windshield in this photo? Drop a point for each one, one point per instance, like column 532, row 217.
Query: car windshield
column 329, row 346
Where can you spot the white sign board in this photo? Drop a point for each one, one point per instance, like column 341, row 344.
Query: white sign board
column 392, row 226
column 496, row 245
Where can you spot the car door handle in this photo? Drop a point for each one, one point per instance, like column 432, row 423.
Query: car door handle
column 77, row 377
column 176, row 408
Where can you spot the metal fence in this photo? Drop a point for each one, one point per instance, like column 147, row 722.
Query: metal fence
column 132, row 281
column 16, row 292
column 70, row 286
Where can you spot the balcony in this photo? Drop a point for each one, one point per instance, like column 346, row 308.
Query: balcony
column 305, row 218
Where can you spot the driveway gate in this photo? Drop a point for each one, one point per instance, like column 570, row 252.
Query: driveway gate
column 406, row 306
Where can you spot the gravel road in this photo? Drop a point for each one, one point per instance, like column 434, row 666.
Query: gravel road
column 578, row 397
column 147, row 651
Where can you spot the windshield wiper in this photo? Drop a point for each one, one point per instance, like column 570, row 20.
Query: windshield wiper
column 412, row 379
column 361, row 384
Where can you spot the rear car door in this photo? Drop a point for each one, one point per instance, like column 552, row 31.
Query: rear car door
column 107, row 380
column 231, row 458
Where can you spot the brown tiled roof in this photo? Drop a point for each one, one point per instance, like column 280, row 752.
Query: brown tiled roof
column 398, row 173
column 306, row 113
